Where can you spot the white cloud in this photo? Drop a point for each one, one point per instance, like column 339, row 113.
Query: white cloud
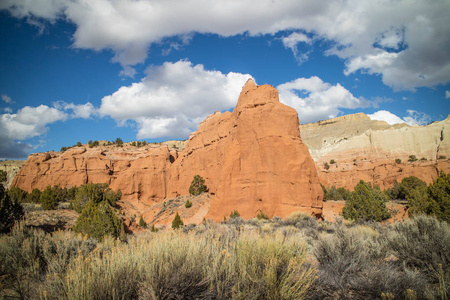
column 388, row 117
column 291, row 41
column 83, row 111
column 410, row 48
column 447, row 94
column 7, row 99
column 317, row 100
column 413, row 118
column 27, row 123
column 417, row 118
column 173, row 98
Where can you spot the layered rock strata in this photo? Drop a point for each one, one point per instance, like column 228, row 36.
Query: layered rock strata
column 367, row 149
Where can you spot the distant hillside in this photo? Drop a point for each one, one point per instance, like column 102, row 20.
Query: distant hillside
column 366, row 149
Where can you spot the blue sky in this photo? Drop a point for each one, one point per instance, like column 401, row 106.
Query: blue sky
column 76, row 70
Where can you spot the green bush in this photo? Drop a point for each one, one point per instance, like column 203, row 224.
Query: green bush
column 423, row 243
column 3, row 176
column 262, row 216
column 332, row 162
column 333, row 193
column 197, row 186
column 98, row 220
column 326, row 166
column 177, row 222
column 142, row 223
column 188, row 204
column 412, row 158
column 119, row 142
column 366, row 204
column 10, row 211
column 398, row 161
column 18, row 195
column 234, row 214
column 34, row 196
column 48, row 199
column 439, row 193
column 97, row 192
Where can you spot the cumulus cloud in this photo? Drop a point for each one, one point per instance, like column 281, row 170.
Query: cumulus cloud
column 7, row 99
column 83, row 111
column 417, row 118
column 173, row 98
column 409, row 49
column 413, row 117
column 388, row 117
column 27, row 123
column 291, row 41
column 317, row 100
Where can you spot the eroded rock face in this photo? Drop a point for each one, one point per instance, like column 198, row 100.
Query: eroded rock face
column 252, row 159
column 366, row 149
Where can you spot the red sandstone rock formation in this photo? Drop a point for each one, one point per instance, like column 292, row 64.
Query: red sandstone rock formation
column 252, row 159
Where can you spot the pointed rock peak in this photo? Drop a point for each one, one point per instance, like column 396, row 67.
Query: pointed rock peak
column 250, row 84
column 253, row 95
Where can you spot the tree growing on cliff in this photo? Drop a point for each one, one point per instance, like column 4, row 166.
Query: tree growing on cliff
column 366, row 204
column 197, row 186
column 177, row 222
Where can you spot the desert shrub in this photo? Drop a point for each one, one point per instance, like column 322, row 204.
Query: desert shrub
column 34, row 196
column 98, row 220
column 439, row 193
column 119, row 142
column 177, row 222
column 442, row 157
column 262, row 216
column 154, row 229
column 18, row 195
column 366, row 204
column 303, row 221
column 188, row 204
column 326, row 166
column 408, row 184
column 142, row 223
column 333, row 193
column 197, row 186
column 332, row 162
column 133, row 144
column 422, row 243
column 271, row 267
column 10, row 211
column 234, row 214
column 412, row 158
column 3, row 176
column 48, row 199
column 79, row 144
column 398, row 161
column 352, row 265
column 97, row 193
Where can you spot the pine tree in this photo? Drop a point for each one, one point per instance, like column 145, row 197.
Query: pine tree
column 10, row 211
column 142, row 223
column 177, row 222
column 197, row 186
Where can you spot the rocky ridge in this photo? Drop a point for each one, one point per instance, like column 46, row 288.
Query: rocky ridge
column 366, row 149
